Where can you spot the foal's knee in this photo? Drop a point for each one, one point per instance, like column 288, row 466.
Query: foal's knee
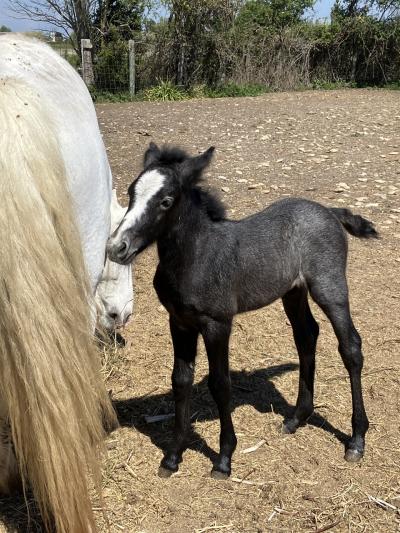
column 182, row 378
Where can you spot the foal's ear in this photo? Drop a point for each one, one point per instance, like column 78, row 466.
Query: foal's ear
column 151, row 155
column 192, row 167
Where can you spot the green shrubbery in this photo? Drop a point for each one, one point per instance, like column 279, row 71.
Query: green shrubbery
column 164, row 91
column 111, row 68
column 214, row 48
column 167, row 91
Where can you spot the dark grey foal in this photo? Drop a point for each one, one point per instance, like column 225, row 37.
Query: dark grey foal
column 211, row 268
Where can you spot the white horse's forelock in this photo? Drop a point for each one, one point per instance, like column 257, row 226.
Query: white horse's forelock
column 147, row 186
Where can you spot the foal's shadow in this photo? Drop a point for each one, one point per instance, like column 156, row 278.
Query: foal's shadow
column 248, row 388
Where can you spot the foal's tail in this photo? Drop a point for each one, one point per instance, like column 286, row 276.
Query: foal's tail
column 356, row 225
column 50, row 382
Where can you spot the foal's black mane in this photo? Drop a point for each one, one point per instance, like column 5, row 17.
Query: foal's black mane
column 209, row 203
column 171, row 156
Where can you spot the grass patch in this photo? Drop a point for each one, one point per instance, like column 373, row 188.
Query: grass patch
column 235, row 90
column 332, row 85
column 101, row 97
column 165, row 91
column 394, row 86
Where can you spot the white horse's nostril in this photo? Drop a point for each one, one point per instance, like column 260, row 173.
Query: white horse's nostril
column 113, row 315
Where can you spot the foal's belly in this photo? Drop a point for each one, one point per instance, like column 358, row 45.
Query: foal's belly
column 261, row 296
column 191, row 306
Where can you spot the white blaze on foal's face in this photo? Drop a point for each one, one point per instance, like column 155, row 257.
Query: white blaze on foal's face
column 146, row 187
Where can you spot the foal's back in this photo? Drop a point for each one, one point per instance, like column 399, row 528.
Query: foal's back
column 290, row 243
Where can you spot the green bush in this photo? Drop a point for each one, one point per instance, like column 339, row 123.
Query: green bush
column 164, row 91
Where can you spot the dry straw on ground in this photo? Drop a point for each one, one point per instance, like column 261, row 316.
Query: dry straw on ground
column 303, row 144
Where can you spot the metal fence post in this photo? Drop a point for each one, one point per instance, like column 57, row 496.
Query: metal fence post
column 87, row 64
column 132, row 73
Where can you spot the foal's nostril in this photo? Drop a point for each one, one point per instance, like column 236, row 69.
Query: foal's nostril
column 113, row 316
column 117, row 249
column 122, row 248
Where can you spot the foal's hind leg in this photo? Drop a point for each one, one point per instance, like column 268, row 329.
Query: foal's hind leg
column 185, row 347
column 333, row 300
column 305, row 333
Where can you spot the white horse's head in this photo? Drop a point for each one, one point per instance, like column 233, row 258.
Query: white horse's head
column 114, row 294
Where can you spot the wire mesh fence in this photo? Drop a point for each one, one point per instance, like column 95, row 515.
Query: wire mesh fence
column 67, row 51
column 117, row 67
column 111, row 68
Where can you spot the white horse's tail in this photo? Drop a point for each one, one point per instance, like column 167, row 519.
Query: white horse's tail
column 50, row 381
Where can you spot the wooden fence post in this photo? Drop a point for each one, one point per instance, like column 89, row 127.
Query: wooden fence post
column 132, row 68
column 87, row 64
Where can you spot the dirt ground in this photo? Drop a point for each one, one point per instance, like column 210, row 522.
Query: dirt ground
column 341, row 148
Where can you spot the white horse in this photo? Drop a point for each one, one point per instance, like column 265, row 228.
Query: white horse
column 114, row 293
column 55, row 189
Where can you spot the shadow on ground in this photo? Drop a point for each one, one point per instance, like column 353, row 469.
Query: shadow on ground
column 248, row 388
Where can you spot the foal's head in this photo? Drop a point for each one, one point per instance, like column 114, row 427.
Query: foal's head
column 153, row 197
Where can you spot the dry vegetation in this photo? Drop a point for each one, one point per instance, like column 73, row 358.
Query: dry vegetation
column 340, row 148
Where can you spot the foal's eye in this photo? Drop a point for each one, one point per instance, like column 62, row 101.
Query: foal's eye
column 166, row 203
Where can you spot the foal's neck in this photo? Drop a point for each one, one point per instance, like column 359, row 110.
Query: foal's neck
column 181, row 236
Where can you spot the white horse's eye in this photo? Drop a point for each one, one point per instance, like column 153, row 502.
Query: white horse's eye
column 166, row 203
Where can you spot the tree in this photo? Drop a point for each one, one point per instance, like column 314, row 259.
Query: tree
column 69, row 16
column 119, row 17
column 84, row 19
column 378, row 9
column 195, row 26
column 4, row 29
column 274, row 14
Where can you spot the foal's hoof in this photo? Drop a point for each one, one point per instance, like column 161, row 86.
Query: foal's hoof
column 165, row 472
column 169, row 465
column 221, row 468
column 290, row 426
column 353, row 456
column 217, row 474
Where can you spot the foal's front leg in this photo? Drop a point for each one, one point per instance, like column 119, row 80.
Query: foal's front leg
column 185, row 346
column 216, row 339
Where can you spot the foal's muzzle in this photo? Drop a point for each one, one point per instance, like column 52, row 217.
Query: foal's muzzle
column 120, row 251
